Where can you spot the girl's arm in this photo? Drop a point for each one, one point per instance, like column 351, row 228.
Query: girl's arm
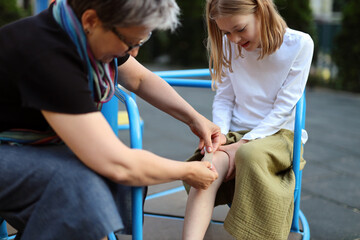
column 289, row 94
column 90, row 137
column 153, row 89
column 223, row 104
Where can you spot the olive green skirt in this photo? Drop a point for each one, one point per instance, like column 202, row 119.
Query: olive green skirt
column 262, row 193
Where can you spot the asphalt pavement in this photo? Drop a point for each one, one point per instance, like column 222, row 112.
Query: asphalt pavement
column 330, row 188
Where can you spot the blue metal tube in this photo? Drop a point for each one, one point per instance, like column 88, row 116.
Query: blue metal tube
column 305, row 224
column 166, row 192
column 110, row 112
column 188, row 82
column 41, row 5
column 111, row 236
column 135, row 142
column 3, row 229
column 184, row 73
column 174, row 79
column 299, row 123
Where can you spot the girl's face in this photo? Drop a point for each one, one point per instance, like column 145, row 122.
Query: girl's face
column 243, row 30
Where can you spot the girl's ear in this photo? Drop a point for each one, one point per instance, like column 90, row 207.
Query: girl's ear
column 90, row 20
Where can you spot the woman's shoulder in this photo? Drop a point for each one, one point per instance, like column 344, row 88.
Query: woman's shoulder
column 30, row 38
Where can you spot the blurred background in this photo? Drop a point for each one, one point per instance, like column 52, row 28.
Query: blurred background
column 330, row 189
column 333, row 24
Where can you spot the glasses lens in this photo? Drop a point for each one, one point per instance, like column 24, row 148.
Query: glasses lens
column 122, row 38
column 145, row 39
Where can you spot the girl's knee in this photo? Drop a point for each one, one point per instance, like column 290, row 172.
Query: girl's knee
column 221, row 160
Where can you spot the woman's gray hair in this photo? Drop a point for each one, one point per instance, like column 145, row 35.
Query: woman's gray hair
column 154, row 14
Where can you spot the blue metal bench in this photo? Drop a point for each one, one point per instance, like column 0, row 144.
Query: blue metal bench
column 184, row 78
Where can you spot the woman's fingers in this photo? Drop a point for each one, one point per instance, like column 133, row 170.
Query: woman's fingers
column 204, row 175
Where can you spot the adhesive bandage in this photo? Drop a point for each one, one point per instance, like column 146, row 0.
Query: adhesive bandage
column 208, row 156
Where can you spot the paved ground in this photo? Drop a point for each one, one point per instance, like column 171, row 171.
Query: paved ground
column 330, row 192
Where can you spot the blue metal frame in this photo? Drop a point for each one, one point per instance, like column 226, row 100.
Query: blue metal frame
column 174, row 78
column 300, row 116
column 135, row 142
column 110, row 111
column 127, row 126
column 41, row 5
column 3, row 229
column 201, row 72
column 305, row 226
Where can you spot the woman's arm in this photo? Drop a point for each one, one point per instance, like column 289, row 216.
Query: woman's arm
column 156, row 91
column 90, row 137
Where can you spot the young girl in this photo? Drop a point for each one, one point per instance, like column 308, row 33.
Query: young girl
column 260, row 68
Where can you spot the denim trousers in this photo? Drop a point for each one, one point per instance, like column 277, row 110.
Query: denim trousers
column 46, row 192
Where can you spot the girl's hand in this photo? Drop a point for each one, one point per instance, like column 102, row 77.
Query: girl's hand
column 201, row 175
column 231, row 151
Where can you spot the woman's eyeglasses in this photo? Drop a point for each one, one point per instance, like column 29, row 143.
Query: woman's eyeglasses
column 130, row 46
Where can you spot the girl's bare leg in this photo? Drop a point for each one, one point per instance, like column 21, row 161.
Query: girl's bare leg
column 200, row 203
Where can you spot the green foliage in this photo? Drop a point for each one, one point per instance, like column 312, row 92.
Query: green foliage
column 346, row 52
column 190, row 48
column 298, row 15
column 185, row 46
column 338, row 5
column 9, row 11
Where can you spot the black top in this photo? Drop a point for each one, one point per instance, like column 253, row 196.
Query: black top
column 40, row 69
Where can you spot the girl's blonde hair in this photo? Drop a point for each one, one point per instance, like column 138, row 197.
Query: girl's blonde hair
column 272, row 30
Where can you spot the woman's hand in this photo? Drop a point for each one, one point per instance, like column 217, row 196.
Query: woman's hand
column 201, row 175
column 231, row 151
column 147, row 85
column 208, row 132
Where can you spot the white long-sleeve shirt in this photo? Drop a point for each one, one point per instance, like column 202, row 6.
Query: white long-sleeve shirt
column 261, row 95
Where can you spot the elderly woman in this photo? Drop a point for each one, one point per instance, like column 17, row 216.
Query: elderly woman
column 63, row 172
